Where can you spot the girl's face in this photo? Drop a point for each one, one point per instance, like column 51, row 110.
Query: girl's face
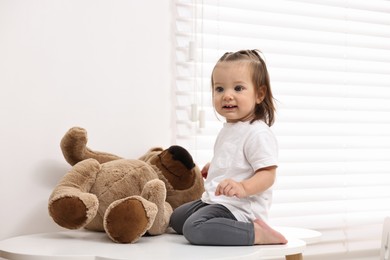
column 234, row 95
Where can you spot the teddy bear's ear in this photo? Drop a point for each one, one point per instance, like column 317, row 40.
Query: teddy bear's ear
column 156, row 149
column 151, row 153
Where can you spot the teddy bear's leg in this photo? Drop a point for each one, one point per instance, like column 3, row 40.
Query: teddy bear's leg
column 155, row 192
column 70, row 204
column 126, row 220
column 74, row 148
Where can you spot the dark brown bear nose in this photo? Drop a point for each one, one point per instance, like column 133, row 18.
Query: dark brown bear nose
column 180, row 154
column 176, row 165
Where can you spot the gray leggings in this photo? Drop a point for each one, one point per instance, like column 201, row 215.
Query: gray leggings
column 211, row 224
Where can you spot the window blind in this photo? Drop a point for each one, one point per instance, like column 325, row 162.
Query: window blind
column 329, row 65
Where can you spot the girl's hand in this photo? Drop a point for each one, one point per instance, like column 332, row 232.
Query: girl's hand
column 205, row 170
column 230, row 188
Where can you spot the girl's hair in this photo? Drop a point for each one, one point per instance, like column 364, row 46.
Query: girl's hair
column 266, row 109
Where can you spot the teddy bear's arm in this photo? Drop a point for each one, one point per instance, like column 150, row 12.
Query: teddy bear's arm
column 74, row 148
column 155, row 192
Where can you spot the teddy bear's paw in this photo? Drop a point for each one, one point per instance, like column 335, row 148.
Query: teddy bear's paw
column 72, row 212
column 126, row 220
column 155, row 192
column 161, row 222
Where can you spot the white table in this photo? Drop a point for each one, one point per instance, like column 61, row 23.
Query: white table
column 308, row 235
column 86, row 245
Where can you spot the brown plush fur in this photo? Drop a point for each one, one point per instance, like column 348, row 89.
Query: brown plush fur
column 123, row 197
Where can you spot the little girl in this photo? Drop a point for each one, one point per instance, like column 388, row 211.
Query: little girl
column 238, row 189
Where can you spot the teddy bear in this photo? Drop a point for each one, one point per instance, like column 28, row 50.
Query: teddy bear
column 126, row 198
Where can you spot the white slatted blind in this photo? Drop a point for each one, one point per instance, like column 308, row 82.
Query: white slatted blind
column 329, row 65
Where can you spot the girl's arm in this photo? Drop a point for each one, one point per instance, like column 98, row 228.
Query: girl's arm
column 262, row 180
column 205, row 170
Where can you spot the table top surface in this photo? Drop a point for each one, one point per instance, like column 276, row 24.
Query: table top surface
column 308, row 235
column 87, row 245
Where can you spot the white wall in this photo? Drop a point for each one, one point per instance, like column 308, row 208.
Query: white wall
column 102, row 65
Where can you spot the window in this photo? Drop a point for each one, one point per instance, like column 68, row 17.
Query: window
column 329, row 64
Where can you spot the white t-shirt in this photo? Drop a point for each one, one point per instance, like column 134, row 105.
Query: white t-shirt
column 241, row 149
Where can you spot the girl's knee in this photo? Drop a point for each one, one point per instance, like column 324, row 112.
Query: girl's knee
column 187, row 227
column 191, row 233
column 176, row 222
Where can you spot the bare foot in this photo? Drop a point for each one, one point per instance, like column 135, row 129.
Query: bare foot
column 265, row 235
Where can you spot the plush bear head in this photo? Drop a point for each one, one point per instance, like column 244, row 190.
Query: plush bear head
column 183, row 180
